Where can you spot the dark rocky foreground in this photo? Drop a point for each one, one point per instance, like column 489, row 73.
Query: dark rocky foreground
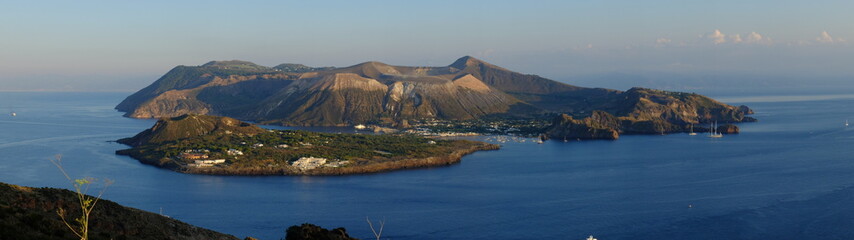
column 31, row 214
column 308, row 231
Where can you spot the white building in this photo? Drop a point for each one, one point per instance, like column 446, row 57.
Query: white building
column 205, row 163
column 210, row 161
column 199, row 165
column 308, row 163
column 234, row 152
column 336, row 164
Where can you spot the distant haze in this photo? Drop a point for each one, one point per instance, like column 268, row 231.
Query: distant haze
column 124, row 46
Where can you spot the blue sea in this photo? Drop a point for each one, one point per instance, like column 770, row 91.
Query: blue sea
column 788, row 176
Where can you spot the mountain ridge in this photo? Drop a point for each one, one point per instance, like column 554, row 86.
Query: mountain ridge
column 379, row 93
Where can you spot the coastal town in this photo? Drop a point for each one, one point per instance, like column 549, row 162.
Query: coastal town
column 454, row 128
column 200, row 158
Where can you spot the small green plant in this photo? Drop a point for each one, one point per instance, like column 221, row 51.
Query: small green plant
column 86, row 202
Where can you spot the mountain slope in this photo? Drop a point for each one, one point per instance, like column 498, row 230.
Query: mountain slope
column 188, row 126
column 176, row 92
column 374, row 92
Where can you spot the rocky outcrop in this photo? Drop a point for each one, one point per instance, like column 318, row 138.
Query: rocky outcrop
column 649, row 111
column 728, row 129
column 746, row 110
column 600, row 125
column 308, row 231
column 641, row 104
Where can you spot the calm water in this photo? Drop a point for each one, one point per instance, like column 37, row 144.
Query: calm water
column 638, row 187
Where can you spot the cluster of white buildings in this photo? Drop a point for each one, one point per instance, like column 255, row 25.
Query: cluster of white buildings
column 234, row 152
column 309, row 163
column 428, row 132
column 206, row 163
column 200, row 158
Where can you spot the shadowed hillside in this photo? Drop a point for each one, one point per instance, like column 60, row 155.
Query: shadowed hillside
column 30, row 213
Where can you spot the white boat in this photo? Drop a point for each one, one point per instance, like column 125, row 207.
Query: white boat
column 692, row 133
column 713, row 133
column 846, row 122
column 15, row 114
column 591, row 238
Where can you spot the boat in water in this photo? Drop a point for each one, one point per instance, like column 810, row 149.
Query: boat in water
column 846, row 122
column 15, row 114
column 713, row 132
column 692, row 133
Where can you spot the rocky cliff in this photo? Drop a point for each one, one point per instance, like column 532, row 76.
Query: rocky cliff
column 600, row 125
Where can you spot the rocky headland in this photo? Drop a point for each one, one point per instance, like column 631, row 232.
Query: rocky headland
column 648, row 111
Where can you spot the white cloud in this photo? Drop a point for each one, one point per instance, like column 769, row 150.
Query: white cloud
column 757, row 38
column 736, row 38
column 826, row 38
column 663, row 41
column 717, row 37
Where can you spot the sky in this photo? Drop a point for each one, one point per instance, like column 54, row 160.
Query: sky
column 126, row 45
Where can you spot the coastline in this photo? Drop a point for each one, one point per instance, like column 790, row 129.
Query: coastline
column 446, row 158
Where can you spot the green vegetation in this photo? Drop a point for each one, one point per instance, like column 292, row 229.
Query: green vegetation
column 300, row 144
column 86, row 203
column 221, row 145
